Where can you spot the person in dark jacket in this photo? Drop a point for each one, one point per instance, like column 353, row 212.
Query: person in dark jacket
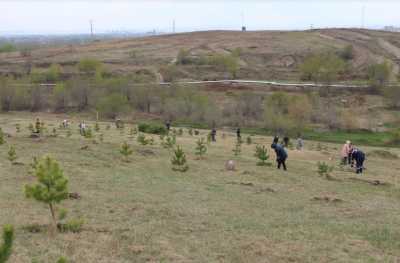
column 238, row 135
column 359, row 157
column 168, row 125
column 281, row 154
column 286, row 141
column 213, row 135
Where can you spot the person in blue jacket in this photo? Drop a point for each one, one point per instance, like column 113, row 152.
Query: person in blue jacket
column 281, row 154
column 359, row 157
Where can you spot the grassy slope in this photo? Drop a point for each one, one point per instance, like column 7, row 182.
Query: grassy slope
column 142, row 211
column 266, row 54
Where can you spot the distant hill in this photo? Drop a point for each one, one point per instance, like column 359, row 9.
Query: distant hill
column 264, row 54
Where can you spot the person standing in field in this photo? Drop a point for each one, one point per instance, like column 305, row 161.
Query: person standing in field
column 346, row 153
column 281, row 154
column 168, row 125
column 238, row 135
column 213, row 134
column 300, row 143
column 359, row 157
column 286, row 141
column 82, row 128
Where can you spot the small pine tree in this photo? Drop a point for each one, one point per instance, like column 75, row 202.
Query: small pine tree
column 2, row 140
column 96, row 127
column 180, row 132
column 101, row 137
column 88, row 133
column 142, row 139
column 169, row 142
column 201, row 148
column 178, row 161
column 42, row 128
column 33, row 165
column 262, row 155
column 31, row 128
column 238, row 148
column 69, row 133
column 108, row 127
column 324, row 169
column 249, row 140
column 55, row 132
column 62, row 260
column 12, row 154
column 319, row 147
column 52, row 186
column 18, row 127
column 131, row 132
column 6, row 247
column 190, row 132
column 125, row 150
column 209, row 138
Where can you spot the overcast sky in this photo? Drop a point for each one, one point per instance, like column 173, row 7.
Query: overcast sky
column 57, row 16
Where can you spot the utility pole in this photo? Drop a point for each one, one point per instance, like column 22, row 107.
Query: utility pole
column 91, row 28
column 173, row 26
column 363, row 17
column 243, row 23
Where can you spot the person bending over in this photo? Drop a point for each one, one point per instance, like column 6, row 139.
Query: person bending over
column 281, row 154
column 359, row 157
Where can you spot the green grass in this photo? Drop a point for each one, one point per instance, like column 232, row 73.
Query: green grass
column 379, row 139
column 142, row 211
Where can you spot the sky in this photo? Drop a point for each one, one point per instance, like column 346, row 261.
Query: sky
column 61, row 17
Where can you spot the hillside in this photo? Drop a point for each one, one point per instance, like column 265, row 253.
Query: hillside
column 264, row 54
column 143, row 211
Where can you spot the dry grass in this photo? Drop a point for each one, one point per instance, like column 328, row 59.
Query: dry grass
column 142, row 211
column 266, row 54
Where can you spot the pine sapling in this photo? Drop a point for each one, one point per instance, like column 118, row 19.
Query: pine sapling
column 262, row 155
column 144, row 141
column 201, row 148
column 33, row 165
column 324, row 169
column 2, row 140
column 62, row 260
column 52, row 185
column 169, row 142
column 12, row 154
column 178, row 161
column 209, row 138
column 180, row 132
column 238, row 148
column 6, row 247
column 88, row 133
column 31, row 128
column 54, row 132
column 18, row 127
column 126, row 151
column 96, row 127
column 249, row 140
column 190, row 132
column 131, row 132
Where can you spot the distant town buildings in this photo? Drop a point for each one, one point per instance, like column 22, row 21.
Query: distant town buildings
column 392, row 28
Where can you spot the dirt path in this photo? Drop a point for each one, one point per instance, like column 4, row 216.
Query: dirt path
column 393, row 50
